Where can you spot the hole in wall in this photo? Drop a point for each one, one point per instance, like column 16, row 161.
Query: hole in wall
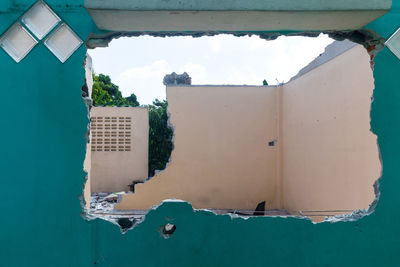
column 310, row 126
column 167, row 230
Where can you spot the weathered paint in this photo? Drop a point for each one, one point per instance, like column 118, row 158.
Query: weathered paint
column 192, row 5
column 45, row 118
column 233, row 15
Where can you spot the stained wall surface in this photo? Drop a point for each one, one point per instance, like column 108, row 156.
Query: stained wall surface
column 119, row 139
column 330, row 157
column 221, row 158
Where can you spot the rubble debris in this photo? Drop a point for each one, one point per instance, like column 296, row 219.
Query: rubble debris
column 104, row 202
column 111, row 198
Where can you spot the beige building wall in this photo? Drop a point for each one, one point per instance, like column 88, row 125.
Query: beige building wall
column 119, row 147
column 330, row 157
column 221, row 158
column 326, row 159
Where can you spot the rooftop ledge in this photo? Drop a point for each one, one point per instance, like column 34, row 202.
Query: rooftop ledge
column 234, row 15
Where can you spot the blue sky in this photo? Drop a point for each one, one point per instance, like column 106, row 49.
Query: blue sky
column 138, row 64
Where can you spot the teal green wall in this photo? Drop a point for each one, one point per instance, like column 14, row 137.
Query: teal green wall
column 43, row 122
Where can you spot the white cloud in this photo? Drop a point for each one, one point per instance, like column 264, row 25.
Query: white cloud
column 145, row 82
column 197, row 72
column 221, row 59
column 217, row 42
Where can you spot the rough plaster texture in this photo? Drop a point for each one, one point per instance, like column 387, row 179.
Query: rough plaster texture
column 43, row 226
column 113, row 171
column 254, row 15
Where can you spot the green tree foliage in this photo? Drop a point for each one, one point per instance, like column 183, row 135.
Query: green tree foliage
column 160, row 136
column 105, row 93
column 133, row 100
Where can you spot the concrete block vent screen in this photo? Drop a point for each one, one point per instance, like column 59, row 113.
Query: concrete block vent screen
column 300, row 148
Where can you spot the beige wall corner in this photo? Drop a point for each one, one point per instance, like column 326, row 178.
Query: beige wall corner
column 221, row 158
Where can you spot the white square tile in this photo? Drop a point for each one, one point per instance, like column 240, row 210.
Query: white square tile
column 393, row 43
column 63, row 42
column 40, row 19
column 17, row 42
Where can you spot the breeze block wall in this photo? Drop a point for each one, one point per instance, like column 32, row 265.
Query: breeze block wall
column 119, row 144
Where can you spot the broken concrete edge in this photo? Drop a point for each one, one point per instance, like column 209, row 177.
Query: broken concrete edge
column 359, row 214
column 365, row 37
column 88, row 104
column 87, row 62
column 138, row 219
column 368, row 38
column 172, row 127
